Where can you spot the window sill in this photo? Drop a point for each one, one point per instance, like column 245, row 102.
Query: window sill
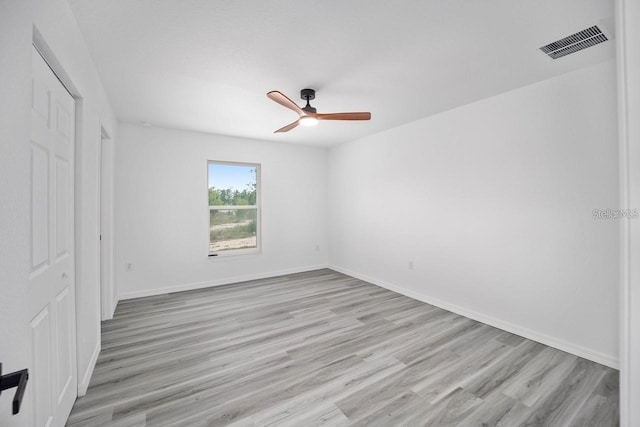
column 235, row 255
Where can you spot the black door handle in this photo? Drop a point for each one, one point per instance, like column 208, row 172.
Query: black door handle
column 15, row 379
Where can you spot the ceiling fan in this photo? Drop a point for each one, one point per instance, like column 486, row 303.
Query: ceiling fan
column 308, row 114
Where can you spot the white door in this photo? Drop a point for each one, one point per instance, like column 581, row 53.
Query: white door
column 52, row 379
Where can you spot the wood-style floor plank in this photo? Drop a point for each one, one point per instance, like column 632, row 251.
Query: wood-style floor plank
column 324, row 349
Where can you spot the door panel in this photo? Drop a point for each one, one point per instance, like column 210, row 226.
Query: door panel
column 62, row 208
column 63, row 123
column 40, row 375
column 51, row 282
column 40, row 100
column 65, row 346
column 39, row 206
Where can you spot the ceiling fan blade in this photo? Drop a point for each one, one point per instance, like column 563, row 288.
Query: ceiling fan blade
column 288, row 127
column 283, row 100
column 344, row 116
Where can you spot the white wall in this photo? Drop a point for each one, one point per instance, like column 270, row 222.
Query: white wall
column 60, row 38
column 161, row 209
column 492, row 202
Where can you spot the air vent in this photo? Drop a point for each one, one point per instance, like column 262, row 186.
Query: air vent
column 575, row 42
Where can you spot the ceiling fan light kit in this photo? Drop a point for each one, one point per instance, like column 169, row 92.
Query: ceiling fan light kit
column 308, row 121
column 308, row 115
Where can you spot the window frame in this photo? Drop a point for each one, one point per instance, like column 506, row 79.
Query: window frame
column 257, row 207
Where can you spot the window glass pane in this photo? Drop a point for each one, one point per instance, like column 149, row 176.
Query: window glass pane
column 233, row 207
column 232, row 229
column 232, row 184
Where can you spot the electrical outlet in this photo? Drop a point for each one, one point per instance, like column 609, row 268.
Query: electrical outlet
column 317, row 248
column 410, row 265
column 128, row 267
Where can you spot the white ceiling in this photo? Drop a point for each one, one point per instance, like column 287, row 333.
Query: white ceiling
column 206, row 65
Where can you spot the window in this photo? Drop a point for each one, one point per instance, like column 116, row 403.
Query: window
column 234, row 212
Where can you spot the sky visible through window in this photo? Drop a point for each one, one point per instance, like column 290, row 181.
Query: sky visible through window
column 235, row 177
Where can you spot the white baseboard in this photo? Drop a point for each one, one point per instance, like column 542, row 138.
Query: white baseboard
column 560, row 344
column 211, row 283
column 83, row 384
column 114, row 304
column 551, row 341
column 110, row 310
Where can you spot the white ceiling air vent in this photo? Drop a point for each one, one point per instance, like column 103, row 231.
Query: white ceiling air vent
column 575, row 42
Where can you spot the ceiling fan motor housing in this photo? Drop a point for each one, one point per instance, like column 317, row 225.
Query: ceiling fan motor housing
column 308, row 95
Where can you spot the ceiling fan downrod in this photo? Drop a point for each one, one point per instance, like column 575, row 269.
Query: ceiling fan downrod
column 308, row 94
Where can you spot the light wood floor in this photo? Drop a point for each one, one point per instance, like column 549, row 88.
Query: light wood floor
column 321, row 348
